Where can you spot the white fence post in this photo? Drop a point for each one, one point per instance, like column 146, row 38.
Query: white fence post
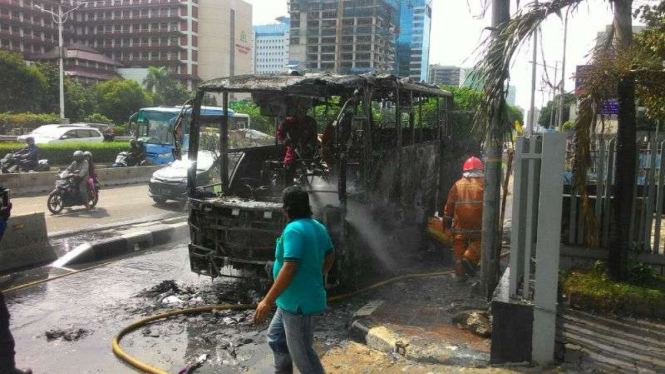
column 548, row 247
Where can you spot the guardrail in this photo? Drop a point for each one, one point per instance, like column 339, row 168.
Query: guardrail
column 27, row 183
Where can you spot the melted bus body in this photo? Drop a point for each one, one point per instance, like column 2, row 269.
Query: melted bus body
column 373, row 184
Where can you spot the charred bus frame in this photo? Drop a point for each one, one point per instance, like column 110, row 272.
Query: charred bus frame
column 395, row 164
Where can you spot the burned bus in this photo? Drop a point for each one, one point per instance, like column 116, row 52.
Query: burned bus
column 373, row 182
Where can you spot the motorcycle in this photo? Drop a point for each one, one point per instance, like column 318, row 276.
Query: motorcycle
column 11, row 164
column 66, row 194
column 124, row 159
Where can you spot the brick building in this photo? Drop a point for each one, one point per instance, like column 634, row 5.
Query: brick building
column 193, row 39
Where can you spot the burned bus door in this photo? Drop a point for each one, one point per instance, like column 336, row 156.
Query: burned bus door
column 224, row 144
column 194, row 143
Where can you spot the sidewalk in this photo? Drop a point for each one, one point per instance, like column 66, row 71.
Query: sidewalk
column 414, row 318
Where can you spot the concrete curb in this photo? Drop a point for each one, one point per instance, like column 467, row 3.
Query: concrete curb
column 415, row 348
column 169, row 218
column 135, row 240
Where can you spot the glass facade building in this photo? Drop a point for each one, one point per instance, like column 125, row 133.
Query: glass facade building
column 413, row 41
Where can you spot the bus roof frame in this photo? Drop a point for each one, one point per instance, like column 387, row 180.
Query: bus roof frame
column 319, row 85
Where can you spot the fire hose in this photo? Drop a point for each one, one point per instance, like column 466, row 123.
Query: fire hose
column 121, row 354
column 203, row 309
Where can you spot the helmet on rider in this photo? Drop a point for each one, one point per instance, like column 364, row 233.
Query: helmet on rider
column 30, row 140
column 78, row 156
column 88, row 155
column 473, row 163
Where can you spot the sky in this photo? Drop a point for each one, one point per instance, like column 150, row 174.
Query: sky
column 458, row 29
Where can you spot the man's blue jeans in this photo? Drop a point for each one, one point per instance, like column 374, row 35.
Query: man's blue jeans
column 291, row 336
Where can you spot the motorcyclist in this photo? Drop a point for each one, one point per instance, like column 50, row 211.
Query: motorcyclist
column 136, row 152
column 81, row 169
column 92, row 175
column 28, row 157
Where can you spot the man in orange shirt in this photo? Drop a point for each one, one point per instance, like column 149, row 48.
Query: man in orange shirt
column 463, row 214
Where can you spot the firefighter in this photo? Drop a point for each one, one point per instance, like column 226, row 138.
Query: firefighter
column 298, row 133
column 463, row 214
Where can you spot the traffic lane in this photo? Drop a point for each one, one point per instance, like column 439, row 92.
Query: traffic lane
column 116, row 205
column 93, row 306
column 101, row 302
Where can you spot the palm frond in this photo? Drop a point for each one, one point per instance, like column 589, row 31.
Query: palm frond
column 491, row 118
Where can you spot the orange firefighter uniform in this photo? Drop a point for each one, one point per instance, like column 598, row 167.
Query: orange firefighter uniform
column 464, row 213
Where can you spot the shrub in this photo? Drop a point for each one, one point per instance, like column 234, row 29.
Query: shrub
column 122, row 130
column 61, row 154
column 98, row 118
column 21, row 123
column 568, row 125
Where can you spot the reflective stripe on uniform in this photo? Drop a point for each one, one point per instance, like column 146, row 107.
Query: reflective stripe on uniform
column 468, row 202
column 466, row 231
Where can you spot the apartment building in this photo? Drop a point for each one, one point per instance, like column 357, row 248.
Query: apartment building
column 194, row 39
column 352, row 36
column 271, row 47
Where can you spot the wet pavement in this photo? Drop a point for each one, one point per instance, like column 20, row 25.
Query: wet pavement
column 66, row 325
column 116, row 205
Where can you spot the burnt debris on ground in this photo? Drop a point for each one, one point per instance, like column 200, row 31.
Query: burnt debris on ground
column 230, row 337
column 69, row 335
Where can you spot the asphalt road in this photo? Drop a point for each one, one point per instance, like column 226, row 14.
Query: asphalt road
column 116, row 205
column 103, row 300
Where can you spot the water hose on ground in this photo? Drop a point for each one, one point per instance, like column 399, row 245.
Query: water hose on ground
column 203, row 309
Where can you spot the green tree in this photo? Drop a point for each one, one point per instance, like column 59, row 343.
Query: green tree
column 163, row 89
column 549, row 112
column 80, row 101
column 118, row 99
column 21, row 86
column 50, row 97
column 98, row 118
column 259, row 122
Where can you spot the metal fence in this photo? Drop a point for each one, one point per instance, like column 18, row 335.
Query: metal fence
column 646, row 214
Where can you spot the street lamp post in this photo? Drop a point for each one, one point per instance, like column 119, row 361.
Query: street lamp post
column 60, row 18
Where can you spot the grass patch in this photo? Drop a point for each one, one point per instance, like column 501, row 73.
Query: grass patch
column 643, row 295
column 61, row 153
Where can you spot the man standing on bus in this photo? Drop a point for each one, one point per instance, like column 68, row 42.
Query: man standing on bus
column 463, row 214
column 298, row 133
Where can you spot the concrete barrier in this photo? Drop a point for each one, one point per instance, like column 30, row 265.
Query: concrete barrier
column 25, row 243
column 26, row 183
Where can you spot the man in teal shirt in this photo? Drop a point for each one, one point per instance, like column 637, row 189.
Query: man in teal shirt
column 303, row 256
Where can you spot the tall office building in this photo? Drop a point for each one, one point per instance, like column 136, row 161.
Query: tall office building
column 271, row 47
column 413, row 42
column 351, row 36
column 193, row 39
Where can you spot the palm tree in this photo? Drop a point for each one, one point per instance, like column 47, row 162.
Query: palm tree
column 157, row 79
column 491, row 119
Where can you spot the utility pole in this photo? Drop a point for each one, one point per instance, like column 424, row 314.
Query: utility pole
column 489, row 274
column 534, row 66
column 60, row 18
column 563, row 71
column 554, row 119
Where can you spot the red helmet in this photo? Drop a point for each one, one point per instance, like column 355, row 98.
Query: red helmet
column 473, row 163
